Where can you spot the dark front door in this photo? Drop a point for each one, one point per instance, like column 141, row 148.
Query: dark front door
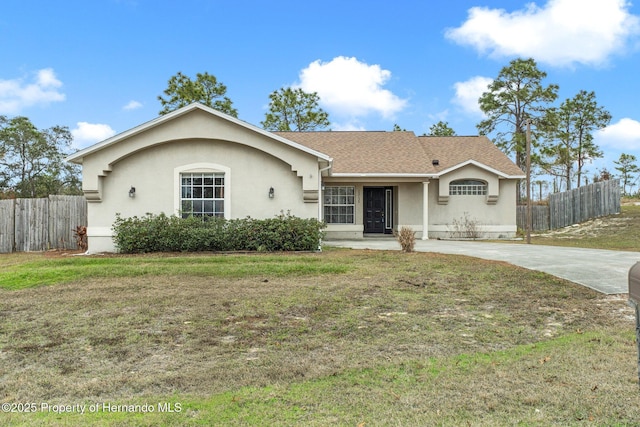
column 374, row 208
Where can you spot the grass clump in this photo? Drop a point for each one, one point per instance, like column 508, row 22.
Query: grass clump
column 407, row 238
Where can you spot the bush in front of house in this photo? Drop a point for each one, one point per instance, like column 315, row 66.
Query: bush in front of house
column 162, row 233
column 407, row 238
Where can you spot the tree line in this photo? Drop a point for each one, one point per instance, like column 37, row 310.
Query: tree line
column 561, row 135
column 32, row 165
column 32, row 160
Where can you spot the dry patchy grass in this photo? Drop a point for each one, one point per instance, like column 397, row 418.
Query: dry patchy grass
column 402, row 339
column 615, row 232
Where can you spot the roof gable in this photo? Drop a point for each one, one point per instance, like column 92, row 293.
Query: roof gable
column 78, row 156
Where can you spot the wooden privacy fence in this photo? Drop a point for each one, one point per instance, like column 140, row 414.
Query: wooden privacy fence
column 574, row 206
column 539, row 217
column 41, row 224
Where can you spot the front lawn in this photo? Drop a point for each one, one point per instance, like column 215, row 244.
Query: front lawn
column 337, row 338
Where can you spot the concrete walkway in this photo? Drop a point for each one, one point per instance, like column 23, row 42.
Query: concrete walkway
column 602, row 270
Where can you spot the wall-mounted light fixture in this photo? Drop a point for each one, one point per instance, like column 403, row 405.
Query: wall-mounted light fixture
column 132, row 192
column 272, row 193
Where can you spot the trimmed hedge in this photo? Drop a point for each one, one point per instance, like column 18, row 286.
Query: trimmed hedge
column 162, row 233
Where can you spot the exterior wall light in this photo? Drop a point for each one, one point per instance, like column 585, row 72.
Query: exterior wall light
column 272, row 193
column 132, row 192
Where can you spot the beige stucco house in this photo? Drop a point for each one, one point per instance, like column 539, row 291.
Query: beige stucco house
column 199, row 161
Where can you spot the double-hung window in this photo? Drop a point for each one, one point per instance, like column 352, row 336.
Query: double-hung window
column 339, row 205
column 202, row 194
column 467, row 187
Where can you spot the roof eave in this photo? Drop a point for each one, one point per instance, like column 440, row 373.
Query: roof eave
column 382, row 175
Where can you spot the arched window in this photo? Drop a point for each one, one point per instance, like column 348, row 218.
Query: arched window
column 467, row 187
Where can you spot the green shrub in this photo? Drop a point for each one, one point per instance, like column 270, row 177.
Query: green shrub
column 162, row 233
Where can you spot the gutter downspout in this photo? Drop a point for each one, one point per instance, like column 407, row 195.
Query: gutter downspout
column 320, row 188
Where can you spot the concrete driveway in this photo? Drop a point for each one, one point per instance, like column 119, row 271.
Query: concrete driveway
column 601, row 270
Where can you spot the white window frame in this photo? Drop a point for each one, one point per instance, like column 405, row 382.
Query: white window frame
column 203, row 192
column 339, row 203
column 202, row 168
column 466, row 188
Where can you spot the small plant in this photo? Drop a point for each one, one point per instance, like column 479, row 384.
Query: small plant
column 465, row 228
column 406, row 237
column 80, row 234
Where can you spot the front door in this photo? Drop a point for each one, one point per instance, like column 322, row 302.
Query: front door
column 376, row 207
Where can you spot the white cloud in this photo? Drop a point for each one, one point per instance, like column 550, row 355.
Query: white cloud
column 468, row 93
column 89, row 133
column 132, row 105
column 623, row 135
column 350, row 88
column 440, row 116
column 17, row 94
column 352, row 125
column 561, row 33
column 47, row 78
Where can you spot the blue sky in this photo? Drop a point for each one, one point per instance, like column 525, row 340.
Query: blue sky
column 98, row 66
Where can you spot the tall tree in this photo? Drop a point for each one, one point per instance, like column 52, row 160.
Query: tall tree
column 441, row 129
column 628, row 169
column 397, row 128
column 569, row 129
column 514, row 97
column 294, row 110
column 182, row 91
column 32, row 162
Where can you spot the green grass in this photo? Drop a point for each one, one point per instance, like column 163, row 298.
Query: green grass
column 39, row 271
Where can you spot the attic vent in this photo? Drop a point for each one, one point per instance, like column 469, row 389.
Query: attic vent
column 435, row 162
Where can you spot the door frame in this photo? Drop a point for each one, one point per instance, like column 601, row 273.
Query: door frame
column 387, row 199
